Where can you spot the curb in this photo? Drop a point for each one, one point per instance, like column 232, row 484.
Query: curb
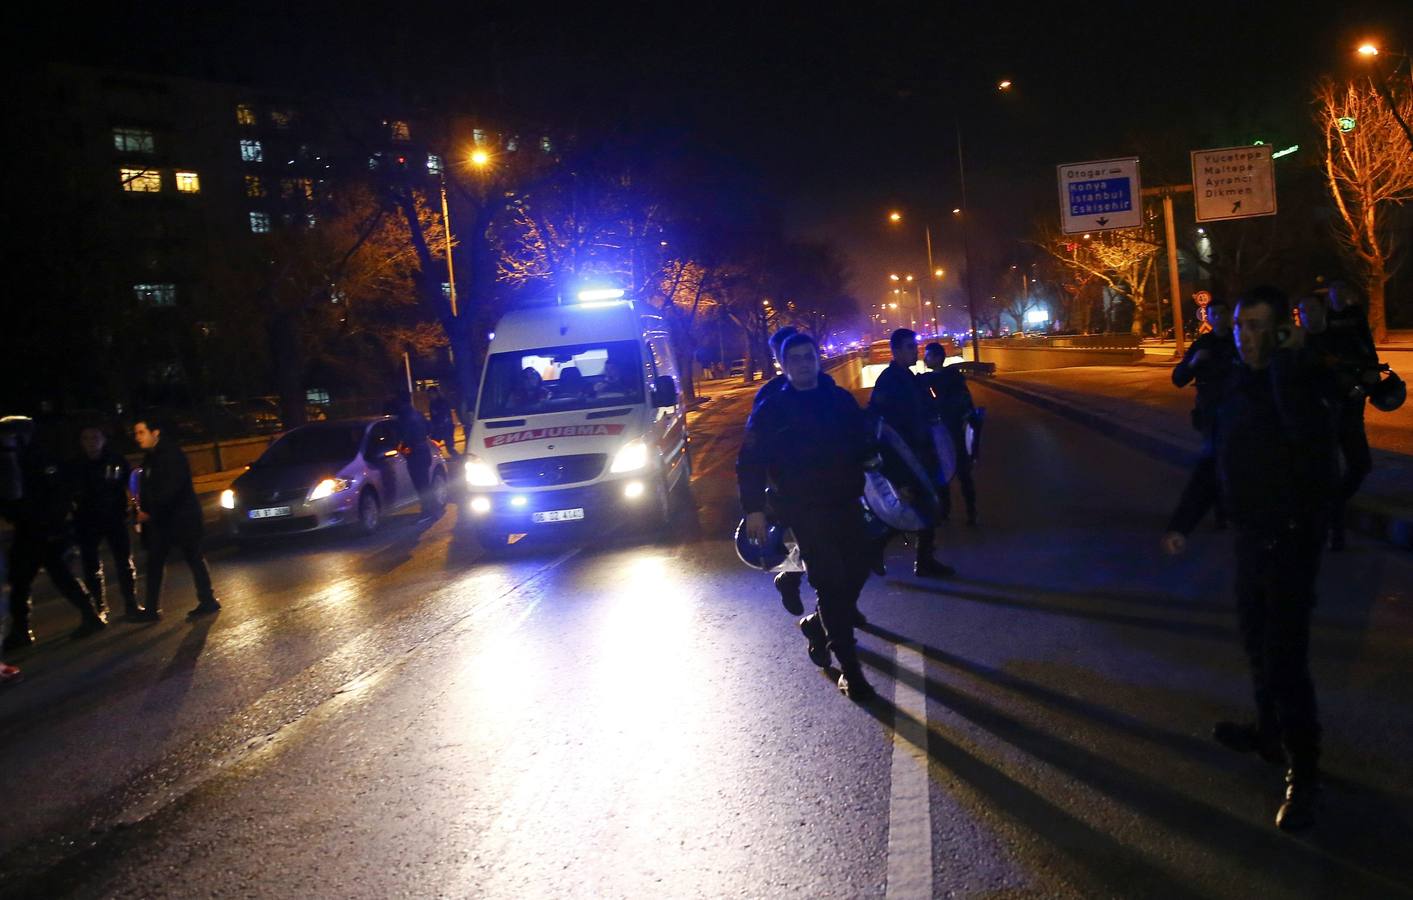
column 1366, row 515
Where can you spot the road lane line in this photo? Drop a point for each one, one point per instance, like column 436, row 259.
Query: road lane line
column 909, row 802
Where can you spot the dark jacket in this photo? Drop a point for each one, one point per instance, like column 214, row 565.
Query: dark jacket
column 440, row 410
column 1275, row 445
column 46, row 502
column 1210, row 374
column 778, row 382
column 1345, row 349
column 102, row 489
column 413, row 431
column 950, row 397
column 166, row 493
column 902, row 402
column 809, row 447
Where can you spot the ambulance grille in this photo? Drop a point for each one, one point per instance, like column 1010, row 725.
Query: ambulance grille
column 553, row 471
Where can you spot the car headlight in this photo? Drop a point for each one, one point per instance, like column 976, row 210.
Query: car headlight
column 228, row 499
column 327, row 488
column 631, row 457
column 480, row 473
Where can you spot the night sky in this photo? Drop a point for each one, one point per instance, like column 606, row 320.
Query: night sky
column 837, row 111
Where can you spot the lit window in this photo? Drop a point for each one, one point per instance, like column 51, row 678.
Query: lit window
column 446, row 289
column 141, row 181
column 434, row 164
column 545, row 145
column 133, row 140
column 399, row 131
column 251, row 151
column 317, row 395
column 303, row 188
column 512, row 145
column 188, row 183
column 254, row 187
column 260, row 222
column 156, row 294
column 281, row 118
column 245, row 115
column 478, row 136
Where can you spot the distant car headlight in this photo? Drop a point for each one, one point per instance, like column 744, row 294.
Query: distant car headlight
column 328, row 487
column 480, row 473
column 631, row 457
column 228, row 499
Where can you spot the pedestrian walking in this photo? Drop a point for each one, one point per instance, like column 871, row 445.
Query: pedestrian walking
column 947, row 387
column 808, row 442
column 1208, row 362
column 41, row 514
column 443, row 427
column 413, row 430
column 100, row 476
column 1275, row 450
column 901, row 401
column 170, row 516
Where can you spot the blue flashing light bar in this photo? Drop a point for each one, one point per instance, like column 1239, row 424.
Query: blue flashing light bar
column 590, row 296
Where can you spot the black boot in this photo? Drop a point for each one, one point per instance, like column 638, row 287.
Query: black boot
column 1302, row 780
column 788, row 584
column 92, row 624
column 204, row 608
column 813, row 630
column 19, row 637
column 1246, row 738
column 852, row 683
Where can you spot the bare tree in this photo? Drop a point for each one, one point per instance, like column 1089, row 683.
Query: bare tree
column 1369, row 173
column 1122, row 260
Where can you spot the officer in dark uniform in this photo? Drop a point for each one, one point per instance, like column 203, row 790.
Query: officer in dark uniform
column 443, row 427
column 43, row 534
column 1208, row 361
column 809, row 442
column 1275, row 446
column 170, row 516
column 100, row 476
column 412, row 428
column 947, row 387
column 787, row 583
column 1340, row 337
column 900, row 399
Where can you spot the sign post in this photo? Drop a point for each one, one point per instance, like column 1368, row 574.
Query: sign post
column 1233, row 183
column 1100, row 195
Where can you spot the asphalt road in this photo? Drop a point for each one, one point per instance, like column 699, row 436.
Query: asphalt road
column 622, row 716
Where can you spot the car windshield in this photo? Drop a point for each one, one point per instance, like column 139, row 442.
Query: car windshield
column 314, row 444
column 559, row 379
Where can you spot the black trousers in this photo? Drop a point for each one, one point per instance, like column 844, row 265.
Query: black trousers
column 1275, row 595
column 835, row 549
column 1354, row 448
column 91, row 537
column 160, row 543
column 28, row 555
column 963, row 476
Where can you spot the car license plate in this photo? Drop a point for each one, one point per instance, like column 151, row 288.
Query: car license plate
column 270, row 513
column 557, row 515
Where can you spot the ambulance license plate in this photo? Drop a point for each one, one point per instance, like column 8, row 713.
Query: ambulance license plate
column 271, row 513
column 557, row 515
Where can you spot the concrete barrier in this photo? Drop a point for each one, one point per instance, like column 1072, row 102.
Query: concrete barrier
column 1014, row 356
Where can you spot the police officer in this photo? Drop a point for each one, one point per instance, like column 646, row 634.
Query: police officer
column 100, row 476
column 170, row 516
column 809, row 442
column 1340, row 338
column 1275, row 446
column 413, row 429
column 43, row 534
column 1208, row 361
column 786, row 583
column 901, row 401
column 951, row 398
column 443, row 427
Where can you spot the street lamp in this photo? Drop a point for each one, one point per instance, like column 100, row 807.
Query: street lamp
column 1370, row 51
column 480, row 158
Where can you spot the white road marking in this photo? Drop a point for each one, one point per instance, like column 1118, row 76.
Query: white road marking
column 909, row 805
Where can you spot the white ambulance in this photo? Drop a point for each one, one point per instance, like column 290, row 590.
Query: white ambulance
column 579, row 420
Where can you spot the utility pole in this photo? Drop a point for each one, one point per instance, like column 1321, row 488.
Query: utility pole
column 1167, row 192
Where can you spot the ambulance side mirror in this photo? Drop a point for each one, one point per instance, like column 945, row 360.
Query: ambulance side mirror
column 664, row 391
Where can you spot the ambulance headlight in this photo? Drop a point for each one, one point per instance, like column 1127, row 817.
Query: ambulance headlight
column 480, row 473
column 632, row 457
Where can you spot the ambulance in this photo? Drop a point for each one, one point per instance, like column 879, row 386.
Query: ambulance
column 579, row 421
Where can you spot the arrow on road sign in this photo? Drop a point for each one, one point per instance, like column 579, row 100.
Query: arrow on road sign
column 1103, row 220
column 1235, row 206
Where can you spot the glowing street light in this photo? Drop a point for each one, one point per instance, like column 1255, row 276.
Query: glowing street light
column 480, row 159
column 893, row 277
column 895, row 216
column 1368, row 49
column 938, row 273
column 1004, row 85
column 957, row 211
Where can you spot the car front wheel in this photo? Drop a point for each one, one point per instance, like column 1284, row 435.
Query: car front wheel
column 370, row 512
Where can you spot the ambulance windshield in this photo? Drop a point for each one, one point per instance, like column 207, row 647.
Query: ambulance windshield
column 562, row 379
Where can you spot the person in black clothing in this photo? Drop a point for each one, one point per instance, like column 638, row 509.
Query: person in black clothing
column 809, row 443
column 1208, row 361
column 413, row 428
column 43, row 533
column 443, row 427
column 901, row 401
column 101, row 477
column 170, row 517
column 1275, row 445
column 1340, row 338
column 947, row 387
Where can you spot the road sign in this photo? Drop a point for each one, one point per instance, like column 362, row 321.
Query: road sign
column 1233, row 183
column 1100, row 195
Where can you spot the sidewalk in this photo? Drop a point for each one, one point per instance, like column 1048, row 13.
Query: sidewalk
column 1138, row 406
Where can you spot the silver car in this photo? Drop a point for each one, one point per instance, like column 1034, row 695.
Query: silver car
column 347, row 472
